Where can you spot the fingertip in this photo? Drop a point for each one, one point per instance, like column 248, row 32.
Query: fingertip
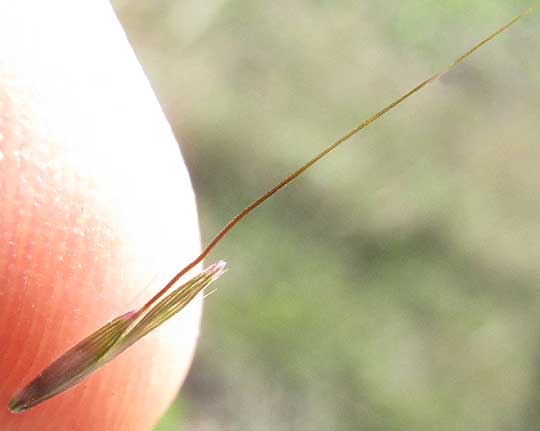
column 95, row 202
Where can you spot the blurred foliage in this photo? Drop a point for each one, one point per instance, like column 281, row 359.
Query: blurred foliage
column 395, row 286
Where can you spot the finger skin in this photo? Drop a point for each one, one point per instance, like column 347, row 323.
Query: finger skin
column 95, row 203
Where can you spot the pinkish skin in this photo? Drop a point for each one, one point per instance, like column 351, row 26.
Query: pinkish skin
column 95, row 201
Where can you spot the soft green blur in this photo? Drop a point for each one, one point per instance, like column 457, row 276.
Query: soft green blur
column 396, row 285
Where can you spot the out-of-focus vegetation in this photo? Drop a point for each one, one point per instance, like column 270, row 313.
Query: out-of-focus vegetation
column 396, row 285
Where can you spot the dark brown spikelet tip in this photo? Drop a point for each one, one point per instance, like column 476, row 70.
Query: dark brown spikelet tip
column 72, row 366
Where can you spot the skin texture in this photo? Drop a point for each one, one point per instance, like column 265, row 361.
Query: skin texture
column 95, row 207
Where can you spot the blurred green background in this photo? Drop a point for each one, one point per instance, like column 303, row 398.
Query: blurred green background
column 396, row 285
